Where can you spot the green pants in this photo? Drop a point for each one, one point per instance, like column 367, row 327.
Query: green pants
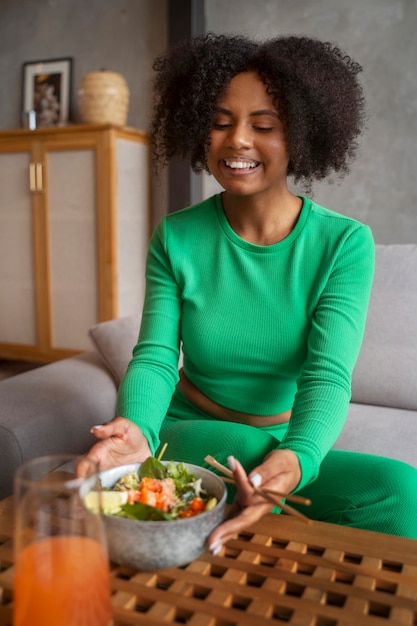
column 352, row 489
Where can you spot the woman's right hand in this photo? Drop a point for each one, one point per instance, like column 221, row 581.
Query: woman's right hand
column 279, row 471
column 121, row 442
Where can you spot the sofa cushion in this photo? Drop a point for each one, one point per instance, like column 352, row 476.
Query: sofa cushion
column 380, row 430
column 386, row 371
column 115, row 340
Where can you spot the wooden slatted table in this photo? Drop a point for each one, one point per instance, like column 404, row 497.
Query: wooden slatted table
column 280, row 571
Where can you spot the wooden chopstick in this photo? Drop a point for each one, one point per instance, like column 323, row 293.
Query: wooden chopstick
column 228, row 472
column 288, row 496
column 282, row 505
column 222, row 468
column 274, row 497
column 272, row 492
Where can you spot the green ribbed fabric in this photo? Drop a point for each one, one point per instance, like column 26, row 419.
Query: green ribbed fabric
column 264, row 328
column 352, row 489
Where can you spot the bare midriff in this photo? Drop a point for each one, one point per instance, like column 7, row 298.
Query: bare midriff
column 205, row 404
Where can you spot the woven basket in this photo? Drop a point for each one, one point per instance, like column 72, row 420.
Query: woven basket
column 103, row 98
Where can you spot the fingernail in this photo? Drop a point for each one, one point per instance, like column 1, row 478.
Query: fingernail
column 96, row 427
column 231, row 462
column 255, row 480
column 215, row 547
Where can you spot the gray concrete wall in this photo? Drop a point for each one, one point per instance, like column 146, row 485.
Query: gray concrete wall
column 381, row 189
column 125, row 36
column 118, row 35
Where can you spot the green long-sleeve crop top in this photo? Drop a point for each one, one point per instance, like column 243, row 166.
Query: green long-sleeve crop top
column 263, row 328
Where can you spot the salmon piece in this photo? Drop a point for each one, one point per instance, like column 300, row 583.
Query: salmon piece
column 157, row 493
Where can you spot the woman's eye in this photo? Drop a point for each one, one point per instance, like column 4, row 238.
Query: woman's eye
column 263, row 129
column 219, row 126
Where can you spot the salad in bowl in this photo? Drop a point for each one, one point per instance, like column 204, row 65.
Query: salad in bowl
column 154, row 491
column 158, row 514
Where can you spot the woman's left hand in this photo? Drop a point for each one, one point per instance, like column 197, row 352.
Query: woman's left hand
column 280, row 471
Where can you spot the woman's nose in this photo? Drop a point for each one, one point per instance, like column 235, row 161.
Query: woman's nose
column 239, row 137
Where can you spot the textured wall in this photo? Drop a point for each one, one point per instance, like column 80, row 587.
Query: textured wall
column 381, row 189
column 118, row 35
column 125, row 35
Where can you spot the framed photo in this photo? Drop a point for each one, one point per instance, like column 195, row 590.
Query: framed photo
column 47, row 91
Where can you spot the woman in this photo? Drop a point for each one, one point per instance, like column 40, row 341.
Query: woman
column 265, row 290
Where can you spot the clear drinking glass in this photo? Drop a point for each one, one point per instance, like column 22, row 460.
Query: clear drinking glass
column 61, row 563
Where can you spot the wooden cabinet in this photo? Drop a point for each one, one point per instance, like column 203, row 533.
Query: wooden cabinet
column 74, row 229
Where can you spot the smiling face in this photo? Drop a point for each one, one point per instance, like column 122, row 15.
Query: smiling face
column 247, row 153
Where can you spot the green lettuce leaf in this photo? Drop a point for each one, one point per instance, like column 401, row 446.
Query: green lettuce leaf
column 139, row 511
column 152, row 468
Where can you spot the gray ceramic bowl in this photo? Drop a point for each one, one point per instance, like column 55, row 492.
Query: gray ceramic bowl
column 147, row 545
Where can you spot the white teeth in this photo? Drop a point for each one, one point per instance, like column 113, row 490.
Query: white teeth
column 240, row 165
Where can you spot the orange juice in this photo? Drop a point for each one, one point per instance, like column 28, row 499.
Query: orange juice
column 62, row 581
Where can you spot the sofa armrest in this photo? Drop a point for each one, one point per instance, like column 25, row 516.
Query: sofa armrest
column 51, row 409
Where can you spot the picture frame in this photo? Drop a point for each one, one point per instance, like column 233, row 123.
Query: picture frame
column 46, row 89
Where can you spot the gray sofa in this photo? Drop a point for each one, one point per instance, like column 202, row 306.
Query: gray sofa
column 51, row 409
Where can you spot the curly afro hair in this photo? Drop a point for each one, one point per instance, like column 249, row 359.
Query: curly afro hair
column 313, row 85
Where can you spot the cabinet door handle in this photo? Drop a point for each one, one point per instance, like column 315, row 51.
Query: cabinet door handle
column 32, row 177
column 39, row 177
column 35, row 177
